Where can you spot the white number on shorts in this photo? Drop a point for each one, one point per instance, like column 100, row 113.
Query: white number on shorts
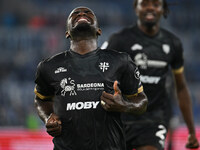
column 161, row 134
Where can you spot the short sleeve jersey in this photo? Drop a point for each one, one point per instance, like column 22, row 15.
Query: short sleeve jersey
column 76, row 83
column 154, row 57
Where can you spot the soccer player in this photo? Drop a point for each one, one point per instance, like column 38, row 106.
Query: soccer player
column 80, row 93
column 155, row 51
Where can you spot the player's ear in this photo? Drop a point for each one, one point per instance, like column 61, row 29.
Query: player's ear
column 136, row 11
column 67, row 35
column 135, row 8
column 98, row 31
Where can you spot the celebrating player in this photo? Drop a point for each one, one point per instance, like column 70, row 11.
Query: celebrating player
column 80, row 93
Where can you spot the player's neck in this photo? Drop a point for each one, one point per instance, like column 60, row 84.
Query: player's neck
column 84, row 46
column 149, row 30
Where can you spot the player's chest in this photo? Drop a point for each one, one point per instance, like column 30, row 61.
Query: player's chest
column 83, row 77
column 84, row 69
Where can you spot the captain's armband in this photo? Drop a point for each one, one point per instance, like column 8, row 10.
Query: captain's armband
column 140, row 89
column 42, row 97
column 179, row 70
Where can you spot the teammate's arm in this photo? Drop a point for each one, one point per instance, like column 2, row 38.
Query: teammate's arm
column 136, row 103
column 186, row 108
column 183, row 93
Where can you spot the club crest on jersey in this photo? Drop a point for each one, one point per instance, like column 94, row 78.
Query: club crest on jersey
column 104, row 66
column 166, row 48
column 136, row 47
column 137, row 74
column 60, row 69
column 68, row 86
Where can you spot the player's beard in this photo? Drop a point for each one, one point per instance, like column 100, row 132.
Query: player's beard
column 83, row 30
column 149, row 24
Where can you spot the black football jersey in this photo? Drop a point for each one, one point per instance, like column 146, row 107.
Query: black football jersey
column 154, row 57
column 76, row 83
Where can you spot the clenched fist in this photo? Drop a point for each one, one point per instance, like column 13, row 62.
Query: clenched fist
column 53, row 125
column 192, row 142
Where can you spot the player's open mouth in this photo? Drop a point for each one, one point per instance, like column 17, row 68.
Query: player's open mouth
column 149, row 16
column 83, row 19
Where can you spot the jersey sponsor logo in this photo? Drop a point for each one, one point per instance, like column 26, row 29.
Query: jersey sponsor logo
column 90, row 86
column 141, row 60
column 166, row 48
column 161, row 134
column 136, row 47
column 157, row 63
column 68, row 86
column 82, row 105
column 86, row 85
column 104, row 66
column 60, row 69
column 149, row 79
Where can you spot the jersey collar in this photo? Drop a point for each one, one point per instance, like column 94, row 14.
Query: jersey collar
column 74, row 54
column 140, row 32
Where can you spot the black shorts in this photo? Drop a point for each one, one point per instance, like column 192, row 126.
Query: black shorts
column 144, row 134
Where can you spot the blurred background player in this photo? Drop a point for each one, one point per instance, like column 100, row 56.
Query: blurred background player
column 71, row 84
column 155, row 51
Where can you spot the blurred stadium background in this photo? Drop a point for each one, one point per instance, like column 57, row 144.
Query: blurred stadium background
column 31, row 30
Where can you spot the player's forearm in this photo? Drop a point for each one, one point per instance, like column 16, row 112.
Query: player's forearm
column 186, row 108
column 44, row 109
column 137, row 104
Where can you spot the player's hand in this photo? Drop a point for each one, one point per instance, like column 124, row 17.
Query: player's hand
column 192, row 141
column 53, row 125
column 113, row 102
